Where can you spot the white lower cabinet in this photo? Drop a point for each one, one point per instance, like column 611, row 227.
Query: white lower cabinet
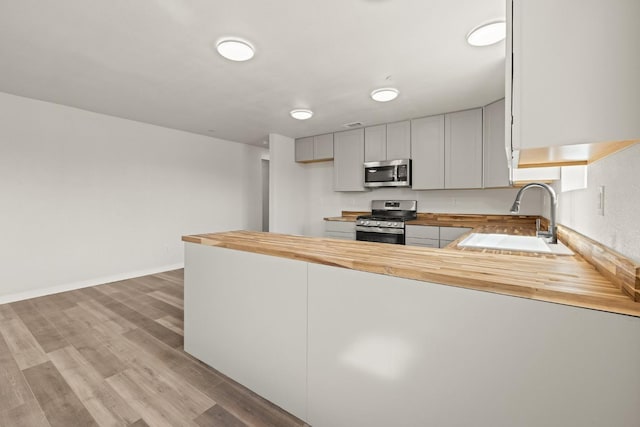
column 427, row 243
column 422, row 235
column 432, row 236
column 452, row 233
column 444, row 243
column 340, row 230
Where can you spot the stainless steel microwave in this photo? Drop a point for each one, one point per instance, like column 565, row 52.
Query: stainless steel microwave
column 390, row 173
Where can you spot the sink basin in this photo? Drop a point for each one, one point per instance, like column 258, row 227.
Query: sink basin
column 509, row 242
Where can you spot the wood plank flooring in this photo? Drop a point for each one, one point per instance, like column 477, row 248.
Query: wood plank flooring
column 111, row 355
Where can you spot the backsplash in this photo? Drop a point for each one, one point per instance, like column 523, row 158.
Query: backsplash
column 323, row 201
column 618, row 228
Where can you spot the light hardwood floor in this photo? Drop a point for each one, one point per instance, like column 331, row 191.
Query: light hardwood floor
column 111, row 355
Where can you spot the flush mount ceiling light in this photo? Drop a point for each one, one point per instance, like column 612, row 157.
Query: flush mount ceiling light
column 487, row 34
column 235, row 49
column 300, row 114
column 385, row 94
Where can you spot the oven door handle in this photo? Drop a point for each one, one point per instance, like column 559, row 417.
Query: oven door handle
column 380, row 230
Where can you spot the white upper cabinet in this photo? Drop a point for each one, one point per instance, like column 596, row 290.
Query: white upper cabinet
column 323, row 147
column 427, row 153
column 399, row 140
column 496, row 166
column 576, row 72
column 304, row 149
column 348, row 170
column 463, row 149
column 314, row 148
column 387, row 142
column 375, row 143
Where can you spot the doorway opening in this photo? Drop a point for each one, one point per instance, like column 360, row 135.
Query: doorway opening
column 265, row 194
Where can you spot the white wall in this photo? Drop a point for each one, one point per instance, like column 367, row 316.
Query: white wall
column 309, row 190
column 88, row 198
column 287, row 188
column 619, row 227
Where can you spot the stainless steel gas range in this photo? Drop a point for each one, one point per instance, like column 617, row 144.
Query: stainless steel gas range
column 386, row 223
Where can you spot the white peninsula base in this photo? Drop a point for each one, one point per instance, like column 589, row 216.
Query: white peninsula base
column 338, row 347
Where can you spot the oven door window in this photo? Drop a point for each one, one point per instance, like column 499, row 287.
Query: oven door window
column 368, row 236
column 380, row 174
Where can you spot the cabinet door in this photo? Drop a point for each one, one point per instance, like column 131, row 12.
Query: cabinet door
column 463, row 149
column 575, row 82
column 425, row 243
column 422, row 232
column 495, row 167
column 399, row 140
column 348, row 160
column 427, row 153
column 340, row 227
column 304, row 149
column 449, row 234
column 422, row 235
column 375, row 143
column 323, row 147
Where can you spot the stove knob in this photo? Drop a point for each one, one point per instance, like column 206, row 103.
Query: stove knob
column 366, row 223
column 378, row 223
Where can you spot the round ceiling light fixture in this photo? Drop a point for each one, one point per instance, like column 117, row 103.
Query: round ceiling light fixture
column 235, row 49
column 487, row 34
column 301, row 114
column 385, row 94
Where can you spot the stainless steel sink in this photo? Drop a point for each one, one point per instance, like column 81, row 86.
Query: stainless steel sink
column 509, row 242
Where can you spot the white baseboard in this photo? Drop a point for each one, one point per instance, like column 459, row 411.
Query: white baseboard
column 19, row 296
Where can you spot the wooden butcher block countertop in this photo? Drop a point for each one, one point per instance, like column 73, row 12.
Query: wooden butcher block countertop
column 568, row 280
column 452, row 220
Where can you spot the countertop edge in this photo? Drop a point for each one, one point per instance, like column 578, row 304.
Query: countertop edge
column 616, row 306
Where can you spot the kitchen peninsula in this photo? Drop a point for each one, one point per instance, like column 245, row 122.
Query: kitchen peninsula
column 342, row 333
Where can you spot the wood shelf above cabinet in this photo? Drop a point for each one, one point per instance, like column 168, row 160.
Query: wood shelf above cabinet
column 570, row 155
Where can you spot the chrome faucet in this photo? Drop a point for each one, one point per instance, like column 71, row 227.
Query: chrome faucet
column 551, row 236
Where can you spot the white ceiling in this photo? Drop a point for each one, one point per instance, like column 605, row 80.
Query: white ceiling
column 154, row 60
